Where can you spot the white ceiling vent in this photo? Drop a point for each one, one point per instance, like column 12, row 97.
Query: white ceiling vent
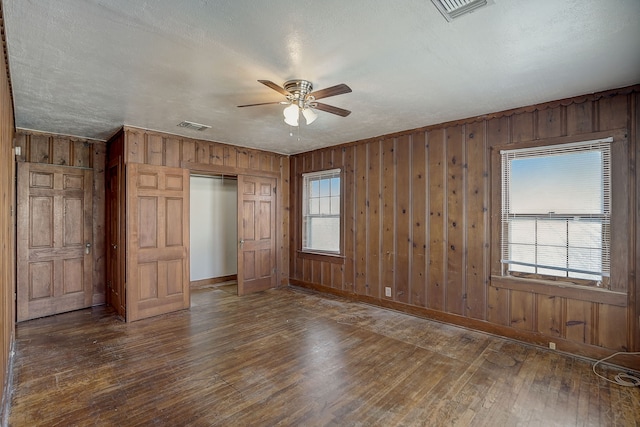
column 452, row 9
column 192, row 125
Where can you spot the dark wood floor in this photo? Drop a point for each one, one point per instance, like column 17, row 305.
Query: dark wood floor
column 287, row 357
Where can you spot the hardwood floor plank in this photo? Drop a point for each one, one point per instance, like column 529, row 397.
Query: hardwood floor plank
column 290, row 357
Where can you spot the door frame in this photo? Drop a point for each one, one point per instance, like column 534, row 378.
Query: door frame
column 213, row 170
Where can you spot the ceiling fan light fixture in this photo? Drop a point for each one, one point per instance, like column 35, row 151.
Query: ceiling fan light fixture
column 291, row 114
column 309, row 115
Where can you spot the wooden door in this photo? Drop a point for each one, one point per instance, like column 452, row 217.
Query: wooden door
column 115, row 236
column 157, row 205
column 54, row 237
column 256, row 234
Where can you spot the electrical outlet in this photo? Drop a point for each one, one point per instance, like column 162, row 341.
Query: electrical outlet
column 387, row 291
column 552, row 345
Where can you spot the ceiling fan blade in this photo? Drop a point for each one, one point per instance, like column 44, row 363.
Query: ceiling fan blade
column 331, row 91
column 263, row 103
column 274, row 86
column 331, row 109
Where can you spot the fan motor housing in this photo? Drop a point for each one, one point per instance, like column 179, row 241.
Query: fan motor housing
column 301, row 88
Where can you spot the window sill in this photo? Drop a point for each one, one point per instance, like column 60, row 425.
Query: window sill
column 322, row 256
column 560, row 289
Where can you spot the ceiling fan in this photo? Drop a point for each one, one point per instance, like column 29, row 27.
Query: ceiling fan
column 301, row 98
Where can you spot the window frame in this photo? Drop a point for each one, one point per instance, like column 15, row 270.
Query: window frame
column 312, row 252
column 605, row 146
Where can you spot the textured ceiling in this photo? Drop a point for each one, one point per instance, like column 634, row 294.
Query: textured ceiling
column 86, row 67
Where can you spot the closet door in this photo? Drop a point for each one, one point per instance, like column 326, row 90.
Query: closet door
column 54, row 237
column 256, row 234
column 157, row 240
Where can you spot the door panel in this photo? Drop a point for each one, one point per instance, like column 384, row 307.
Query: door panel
column 157, row 240
column 115, row 236
column 256, row 233
column 55, row 267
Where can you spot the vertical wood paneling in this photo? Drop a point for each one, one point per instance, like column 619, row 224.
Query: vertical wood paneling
column 242, row 156
column 388, row 191
column 498, row 306
column 82, row 154
column 348, row 193
column 372, row 245
column 155, row 150
column 477, row 195
column 172, row 152
column 577, row 321
column 455, row 267
column 550, row 122
column 188, row 150
column 217, row 154
column 439, row 191
column 522, row 127
column 619, row 217
column 40, row 149
column 99, row 222
column 579, row 118
column 612, row 332
column 61, row 151
column 419, row 178
column 522, row 310
column 7, row 224
column 497, row 135
column 362, row 205
column 437, row 220
column 202, row 152
column 403, row 232
column 549, row 315
column 613, row 113
column 135, row 146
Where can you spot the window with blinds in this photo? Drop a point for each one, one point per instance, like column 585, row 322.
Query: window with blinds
column 556, row 211
column 321, row 211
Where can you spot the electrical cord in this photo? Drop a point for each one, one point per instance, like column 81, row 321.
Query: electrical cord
column 622, row 379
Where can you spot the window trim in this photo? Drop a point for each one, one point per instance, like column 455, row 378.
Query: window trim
column 332, row 256
column 499, row 269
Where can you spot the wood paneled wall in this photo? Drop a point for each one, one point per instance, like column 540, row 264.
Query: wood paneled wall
column 421, row 216
column 155, row 148
column 79, row 152
column 7, row 227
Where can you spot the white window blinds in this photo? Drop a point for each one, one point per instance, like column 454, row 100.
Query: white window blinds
column 321, row 211
column 556, row 210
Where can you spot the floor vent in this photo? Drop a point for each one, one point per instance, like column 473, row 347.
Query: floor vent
column 452, row 9
column 192, row 125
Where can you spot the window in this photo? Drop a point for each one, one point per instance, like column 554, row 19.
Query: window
column 556, row 211
column 321, row 211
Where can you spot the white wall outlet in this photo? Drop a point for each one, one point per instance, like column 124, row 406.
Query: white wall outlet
column 552, row 345
column 387, row 291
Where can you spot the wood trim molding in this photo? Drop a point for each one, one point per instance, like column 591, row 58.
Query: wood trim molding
column 534, row 338
column 5, row 405
column 316, row 256
column 212, row 281
column 6, row 61
column 561, row 289
column 230, row 170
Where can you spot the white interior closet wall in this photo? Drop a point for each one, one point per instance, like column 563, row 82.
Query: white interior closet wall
column 213, row 227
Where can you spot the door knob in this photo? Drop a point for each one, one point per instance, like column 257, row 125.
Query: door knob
column 241, row 243
column 87, row 248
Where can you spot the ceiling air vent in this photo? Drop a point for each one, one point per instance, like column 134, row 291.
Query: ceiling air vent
column 452, row 9
column 192, row 125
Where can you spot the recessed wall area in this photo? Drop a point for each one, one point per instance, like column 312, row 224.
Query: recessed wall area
column 213, row 227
